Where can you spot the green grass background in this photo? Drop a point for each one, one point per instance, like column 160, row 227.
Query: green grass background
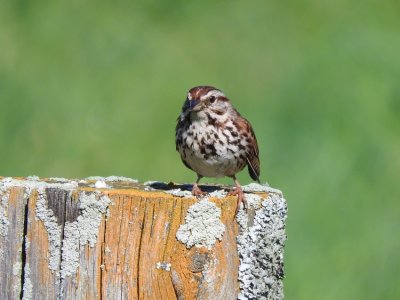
column 95, row 87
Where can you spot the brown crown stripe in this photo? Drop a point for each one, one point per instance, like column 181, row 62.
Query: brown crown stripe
column 199, row 91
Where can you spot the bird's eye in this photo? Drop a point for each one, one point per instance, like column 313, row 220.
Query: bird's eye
column 212, row 99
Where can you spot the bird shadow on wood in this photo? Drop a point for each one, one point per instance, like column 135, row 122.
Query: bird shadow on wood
column 185, row 187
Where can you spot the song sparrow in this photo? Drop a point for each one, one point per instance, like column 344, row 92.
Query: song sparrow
column 214, row 140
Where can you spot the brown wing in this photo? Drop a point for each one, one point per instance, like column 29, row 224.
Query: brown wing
column 253, row 162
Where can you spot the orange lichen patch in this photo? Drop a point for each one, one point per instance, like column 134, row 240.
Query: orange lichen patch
column 147, row 227
column 137, row 193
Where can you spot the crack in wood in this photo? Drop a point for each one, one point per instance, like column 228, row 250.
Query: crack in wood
column 102, row 259
column 121, row 206
column 152, row 220
column 139, row 247
column 24, row 247
column 64, row 216
column 169, row 229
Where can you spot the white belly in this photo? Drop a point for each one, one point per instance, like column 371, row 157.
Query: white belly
column 227, row 159
column 220, row 166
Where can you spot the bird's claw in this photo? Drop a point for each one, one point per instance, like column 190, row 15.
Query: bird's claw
column 241, row 199
column 197, row 192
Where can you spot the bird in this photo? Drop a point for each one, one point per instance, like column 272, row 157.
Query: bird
column 214, row 140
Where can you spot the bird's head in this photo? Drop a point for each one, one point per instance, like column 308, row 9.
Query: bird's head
column 203, row 100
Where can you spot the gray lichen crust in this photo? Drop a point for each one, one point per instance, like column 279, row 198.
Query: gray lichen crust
column 54, row 230
column 260, row 242
column 64, row 239
column 260, row 245
column 78, row 233
column 27, row 288
column 111, row 179
column 4, row 222
column 202, row 226
column 82, row 231
column 163, row 266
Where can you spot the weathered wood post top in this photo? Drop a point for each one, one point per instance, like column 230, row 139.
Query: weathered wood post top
column 116, row 238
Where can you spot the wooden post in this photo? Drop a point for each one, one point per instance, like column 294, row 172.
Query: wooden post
column 115, row 238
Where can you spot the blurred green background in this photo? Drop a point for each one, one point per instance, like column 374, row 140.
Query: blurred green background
column 95, row 88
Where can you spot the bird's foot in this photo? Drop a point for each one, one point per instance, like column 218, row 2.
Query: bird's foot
column 239, row 192
column 197, row 192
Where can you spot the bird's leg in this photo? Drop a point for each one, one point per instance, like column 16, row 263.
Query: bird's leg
column 196, row 191
column 239, row 192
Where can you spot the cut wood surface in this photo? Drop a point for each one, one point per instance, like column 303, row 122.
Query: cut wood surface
column 115, row 238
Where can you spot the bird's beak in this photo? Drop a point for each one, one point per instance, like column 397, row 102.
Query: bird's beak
column 189, row 105
column 194, row 103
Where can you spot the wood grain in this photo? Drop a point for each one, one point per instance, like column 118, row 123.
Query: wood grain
column 136, row 254
column 11, row 244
